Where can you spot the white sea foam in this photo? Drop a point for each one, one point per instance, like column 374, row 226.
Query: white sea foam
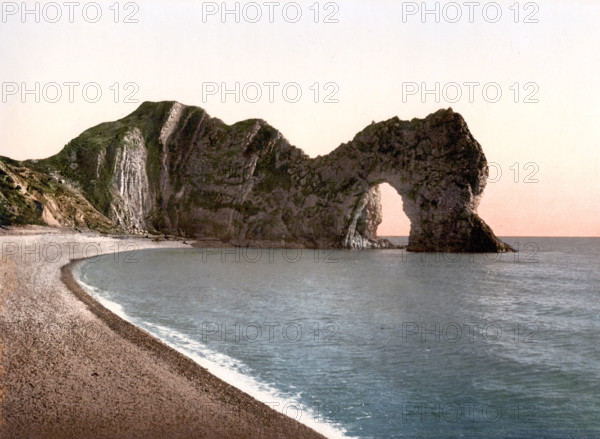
column 235, row 373
column 223, row 367
column 96, row 294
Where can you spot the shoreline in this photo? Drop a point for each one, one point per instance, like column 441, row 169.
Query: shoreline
column 71, row 368
column 247, row 384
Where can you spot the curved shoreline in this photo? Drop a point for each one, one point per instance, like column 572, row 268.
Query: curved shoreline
column 182, row 364
column 182, row 356
column 130, row 332
column 73, row 368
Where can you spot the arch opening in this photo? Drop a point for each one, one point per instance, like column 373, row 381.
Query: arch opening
column 394, row 222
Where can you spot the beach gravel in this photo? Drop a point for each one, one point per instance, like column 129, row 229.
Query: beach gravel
column 69, row 368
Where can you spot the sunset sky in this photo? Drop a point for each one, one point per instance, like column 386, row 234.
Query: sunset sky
column 542, row 136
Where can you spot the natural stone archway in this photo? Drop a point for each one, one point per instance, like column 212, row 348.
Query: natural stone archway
column 192, row 175
column 437, row 167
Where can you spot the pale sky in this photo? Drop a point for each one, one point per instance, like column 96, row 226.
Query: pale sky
column 368, row 61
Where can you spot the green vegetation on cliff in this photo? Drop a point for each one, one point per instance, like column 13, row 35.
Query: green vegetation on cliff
column 171, row 168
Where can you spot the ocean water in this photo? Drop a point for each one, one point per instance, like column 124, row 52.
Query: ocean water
column 383, row 343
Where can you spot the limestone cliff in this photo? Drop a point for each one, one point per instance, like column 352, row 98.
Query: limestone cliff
column 171, row 168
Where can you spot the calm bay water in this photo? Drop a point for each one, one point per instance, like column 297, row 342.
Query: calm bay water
column 383, row 343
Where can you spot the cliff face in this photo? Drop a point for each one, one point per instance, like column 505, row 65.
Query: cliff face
column 173, row 169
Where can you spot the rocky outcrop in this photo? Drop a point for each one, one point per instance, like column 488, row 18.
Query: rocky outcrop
column 171, row 168
column 362, row 231
column 132, row 202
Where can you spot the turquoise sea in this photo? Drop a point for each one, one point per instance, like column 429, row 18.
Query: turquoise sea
column 383, row 343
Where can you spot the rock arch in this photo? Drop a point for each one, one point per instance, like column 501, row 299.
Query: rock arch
column 436, row 166
column 192, row 175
